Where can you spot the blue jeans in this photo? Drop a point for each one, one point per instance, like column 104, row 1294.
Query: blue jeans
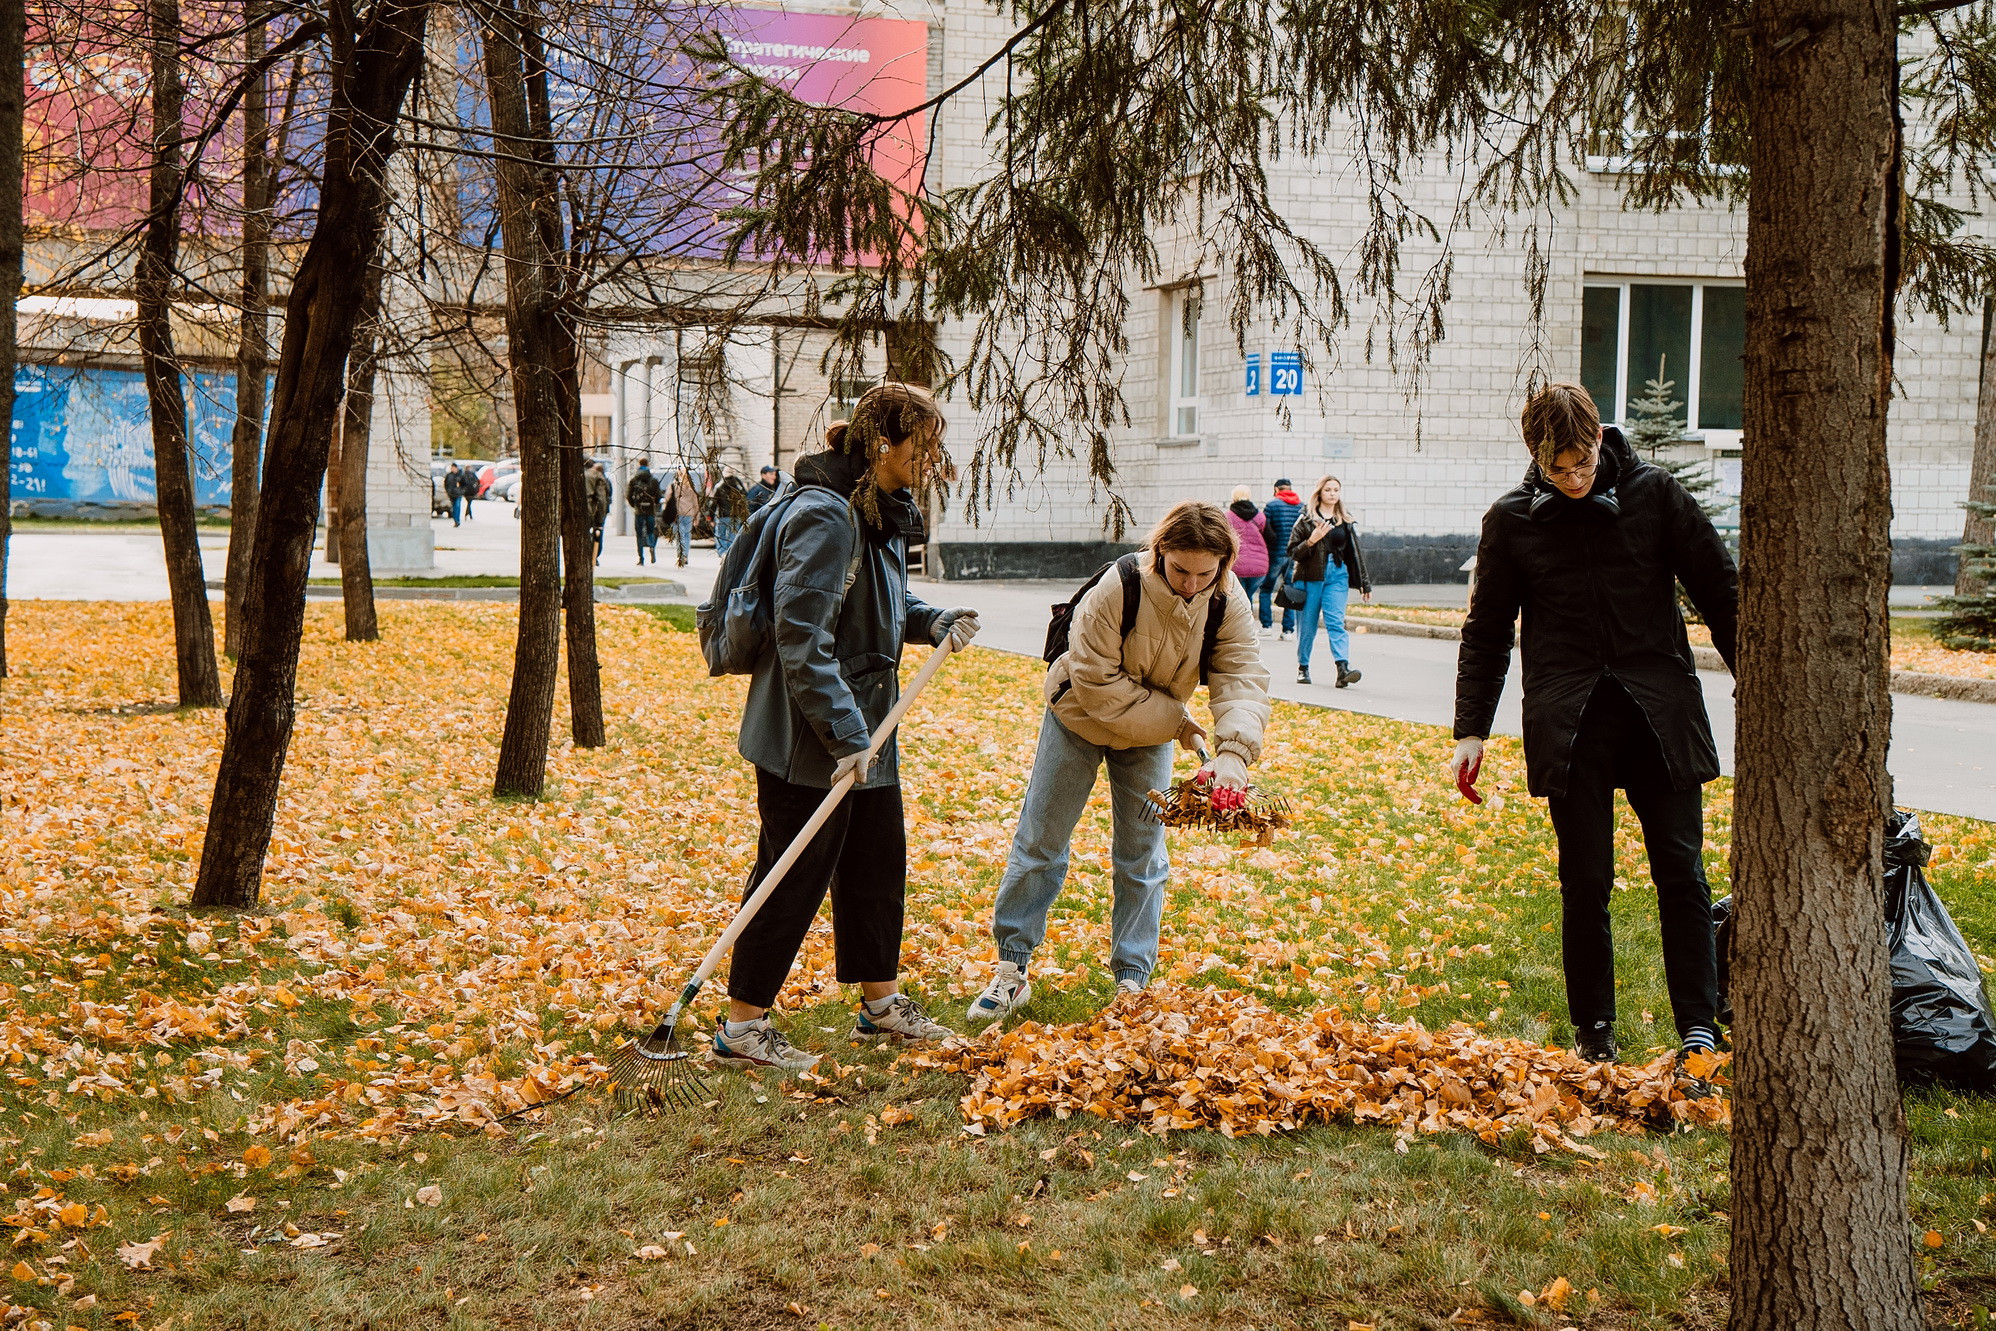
column 1327, row 598
column 1063, row 777
column 685, row 535
column 455, row 502
column 647, row 529
column 1253, row 585
column 1268, row 597
column 725, row 530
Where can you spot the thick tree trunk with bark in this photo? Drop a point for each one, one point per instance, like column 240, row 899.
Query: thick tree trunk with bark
column 1977, row 529
column 1819, row 1219
column 356, row 425
column 253, row 346
column 193, row 627
column 533, row 347
column 371, row 70
column 13, row 103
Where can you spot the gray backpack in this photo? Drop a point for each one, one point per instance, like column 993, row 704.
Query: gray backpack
column 737, row 623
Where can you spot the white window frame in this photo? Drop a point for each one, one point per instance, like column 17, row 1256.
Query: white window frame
column 1616, row 412
column 1181, row 344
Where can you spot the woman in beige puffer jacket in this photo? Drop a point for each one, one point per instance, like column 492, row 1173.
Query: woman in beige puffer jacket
column 1123, row 702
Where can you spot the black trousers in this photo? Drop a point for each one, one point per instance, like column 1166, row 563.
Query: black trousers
column 860, row 855
column 1616, row 748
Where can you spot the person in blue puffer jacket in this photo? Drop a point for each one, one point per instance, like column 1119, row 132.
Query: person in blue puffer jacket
column 1281, row 512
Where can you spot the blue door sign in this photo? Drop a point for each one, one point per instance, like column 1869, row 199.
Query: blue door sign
column 1285, row 373
column 1254, row 374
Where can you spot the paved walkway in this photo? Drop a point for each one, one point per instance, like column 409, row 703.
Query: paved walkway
column 1943, row 753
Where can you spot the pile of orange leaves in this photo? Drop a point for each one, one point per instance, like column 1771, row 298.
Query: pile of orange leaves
column 1174, row 1059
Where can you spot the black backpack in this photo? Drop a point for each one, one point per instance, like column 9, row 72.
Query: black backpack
column 1061, row 621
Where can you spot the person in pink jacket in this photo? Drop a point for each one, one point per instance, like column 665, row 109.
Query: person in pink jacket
column 1252, row 565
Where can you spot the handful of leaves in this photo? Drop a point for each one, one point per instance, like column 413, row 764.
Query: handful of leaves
column 1193, row 803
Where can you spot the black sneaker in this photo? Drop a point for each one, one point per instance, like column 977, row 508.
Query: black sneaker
column 1596, row 1044
column 1302, row 674
column 1698, row 1041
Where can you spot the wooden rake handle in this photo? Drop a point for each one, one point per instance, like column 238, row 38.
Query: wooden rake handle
column 795, row 850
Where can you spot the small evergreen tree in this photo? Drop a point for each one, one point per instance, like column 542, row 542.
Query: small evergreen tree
column 1656, row 420
column 1970, row 624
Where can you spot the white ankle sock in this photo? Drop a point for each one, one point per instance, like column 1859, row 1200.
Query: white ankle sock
column 731, row 1028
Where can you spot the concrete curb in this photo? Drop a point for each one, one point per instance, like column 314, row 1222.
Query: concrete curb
column 1960, row 688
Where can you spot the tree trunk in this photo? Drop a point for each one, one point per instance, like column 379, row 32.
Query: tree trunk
column 253, row 346
column 193, row 628
column 370, row 74
column 13, row 72
column 1820, row 1235
column 356, row 424
column 585, row 680
column 533, row 346
column 335, row 490
column 1978, row 529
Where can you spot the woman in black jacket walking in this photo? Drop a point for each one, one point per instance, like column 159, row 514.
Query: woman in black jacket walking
column 1591, row 548
column 1327, row 564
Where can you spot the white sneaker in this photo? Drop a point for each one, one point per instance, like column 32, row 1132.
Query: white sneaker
column 1006, row 994
column 1129, row 986
column 903, row 1020
column 1282, row 636
column 760, row 1046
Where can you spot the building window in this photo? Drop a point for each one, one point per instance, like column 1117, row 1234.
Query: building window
column 1691, row 335
column 1182, row 325
column 846, row 394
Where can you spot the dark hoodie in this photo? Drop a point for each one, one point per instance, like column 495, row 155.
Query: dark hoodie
column 1596, row 581
column 840, row 617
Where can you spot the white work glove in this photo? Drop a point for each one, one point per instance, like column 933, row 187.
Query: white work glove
column 1192, row 737
column 857, row 764
column 1226, row 773
column 958, row 624
column 1464, row 766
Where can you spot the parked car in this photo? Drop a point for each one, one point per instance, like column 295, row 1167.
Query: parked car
column 494, row 474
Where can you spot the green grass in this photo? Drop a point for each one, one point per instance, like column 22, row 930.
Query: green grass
column 845, row 1228
column 126, row 525
column 677, row 618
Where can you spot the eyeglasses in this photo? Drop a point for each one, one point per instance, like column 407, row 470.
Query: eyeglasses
column 1579, row 473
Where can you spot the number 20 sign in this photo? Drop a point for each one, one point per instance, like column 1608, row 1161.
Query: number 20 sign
column 1285, row 373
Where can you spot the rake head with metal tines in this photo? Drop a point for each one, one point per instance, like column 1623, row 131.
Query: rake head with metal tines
column 1189, row 804
column 654, row 1074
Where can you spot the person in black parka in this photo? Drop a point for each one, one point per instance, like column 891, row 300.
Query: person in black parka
column 1591, row 548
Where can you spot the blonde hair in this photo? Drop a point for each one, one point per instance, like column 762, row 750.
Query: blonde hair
column 1194, row 524
column 1242, row 492
column 1338, row 510
column 1560, row 418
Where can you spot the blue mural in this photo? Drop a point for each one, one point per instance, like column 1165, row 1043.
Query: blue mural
column 84, row 437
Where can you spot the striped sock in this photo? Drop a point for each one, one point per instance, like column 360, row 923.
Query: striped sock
column 1700, row 1039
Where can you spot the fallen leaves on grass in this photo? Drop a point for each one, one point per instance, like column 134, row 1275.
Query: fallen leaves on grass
column 1176, row 1059
column 138, row 1256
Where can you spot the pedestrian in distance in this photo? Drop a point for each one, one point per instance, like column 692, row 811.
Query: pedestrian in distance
column 682, row 505
column 1118, row 696
column 1325, row 565
column 642, row 494
column 1592, row 547
column 1281, row 512
column 731, row 510
column 842, row 610
column 596, row 491
column 1251, row 533
column 767, row 484
column 454, row 492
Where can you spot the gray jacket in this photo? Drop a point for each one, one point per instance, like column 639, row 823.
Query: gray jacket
column 832, row 674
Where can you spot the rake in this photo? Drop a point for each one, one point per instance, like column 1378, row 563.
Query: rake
column 1189, row 804
column 654, row 1074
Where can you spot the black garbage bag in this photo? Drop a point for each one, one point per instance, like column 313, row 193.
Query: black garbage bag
column 1942, row 1027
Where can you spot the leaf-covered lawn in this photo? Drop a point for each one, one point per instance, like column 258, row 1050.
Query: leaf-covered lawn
column 287, row 1120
